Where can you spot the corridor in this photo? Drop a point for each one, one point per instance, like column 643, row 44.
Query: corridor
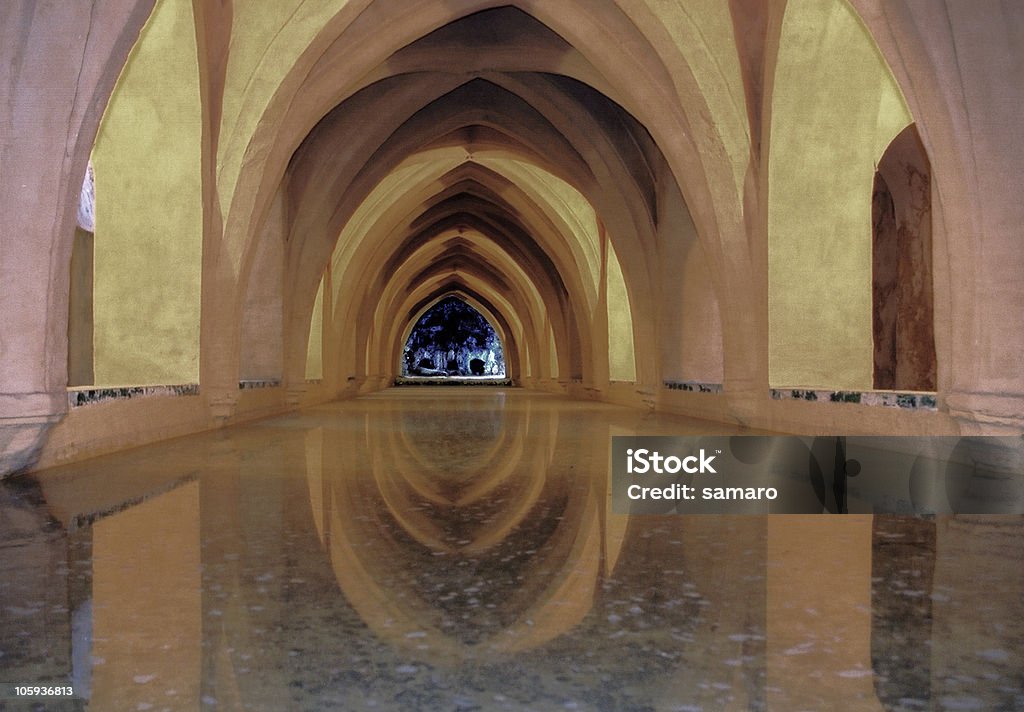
column 249, row 247
column 446, row 548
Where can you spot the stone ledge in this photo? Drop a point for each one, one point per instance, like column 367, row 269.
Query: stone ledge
column 80, row 397
column 886, row 399
column 1000, row 410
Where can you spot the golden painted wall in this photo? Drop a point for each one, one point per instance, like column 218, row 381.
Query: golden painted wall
column 835, row 108
column 314, row 352
column 149, row 224
column 621, row 358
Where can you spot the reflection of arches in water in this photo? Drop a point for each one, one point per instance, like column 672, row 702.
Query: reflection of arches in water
column 396, row 541
column 499, row 484
column 946, row 611
column 452, row 338
column 460, row 430
column 500, row 490
column 473, row 476
column 902, row 571
column 398, row 610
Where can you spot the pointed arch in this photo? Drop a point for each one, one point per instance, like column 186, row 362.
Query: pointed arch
column 452, row 330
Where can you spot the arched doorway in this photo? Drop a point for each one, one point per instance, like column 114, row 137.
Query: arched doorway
column 453, row 340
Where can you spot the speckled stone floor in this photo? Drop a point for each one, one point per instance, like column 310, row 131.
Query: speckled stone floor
column 454, row 549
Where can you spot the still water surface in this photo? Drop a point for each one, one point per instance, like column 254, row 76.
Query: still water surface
column 447, row 549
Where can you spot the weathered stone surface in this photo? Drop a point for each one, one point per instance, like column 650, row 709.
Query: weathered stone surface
column 61, row 64
column 20, row 443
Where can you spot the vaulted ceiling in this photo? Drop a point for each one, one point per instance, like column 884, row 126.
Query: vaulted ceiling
column 479, row 159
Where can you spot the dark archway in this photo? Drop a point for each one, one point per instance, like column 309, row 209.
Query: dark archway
column 903, row 316
column 453, row 340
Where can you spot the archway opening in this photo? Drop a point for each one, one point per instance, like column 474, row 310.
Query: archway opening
column 902, row 299
column 453, row 340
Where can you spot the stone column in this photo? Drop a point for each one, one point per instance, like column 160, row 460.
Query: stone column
column 61, row 62
column 958, row 65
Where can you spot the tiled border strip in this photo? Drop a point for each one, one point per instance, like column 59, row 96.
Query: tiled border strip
column 693, row 386
column 255, row 383
column 79, row 397
column 887, row 399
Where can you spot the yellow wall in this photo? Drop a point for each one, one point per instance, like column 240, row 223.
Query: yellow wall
column 148, row 245
column 314, row 352
column 621, row 359
column 835, row 108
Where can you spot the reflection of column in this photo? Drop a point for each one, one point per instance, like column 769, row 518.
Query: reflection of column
column 615, row 525
column 315, row 478
column 976, row 660
column 79, row 604
column 147, row 606
column 902, row 568
column 32, row 594
column 244, row 600
column 819, row 613
column 225, row 626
